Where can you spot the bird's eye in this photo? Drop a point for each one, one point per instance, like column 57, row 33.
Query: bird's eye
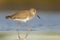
column 34, row 10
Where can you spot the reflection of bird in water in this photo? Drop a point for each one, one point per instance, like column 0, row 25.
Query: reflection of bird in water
column 23, row 39
column 24, row 15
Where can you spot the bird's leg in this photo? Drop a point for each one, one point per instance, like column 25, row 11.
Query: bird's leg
column 28, row 31
column 18, row 31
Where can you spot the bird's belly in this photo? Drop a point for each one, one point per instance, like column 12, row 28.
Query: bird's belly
column 22, row 20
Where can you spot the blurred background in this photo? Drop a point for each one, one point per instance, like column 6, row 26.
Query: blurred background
column 47, row 28
column 45, row 5
column 48, row 10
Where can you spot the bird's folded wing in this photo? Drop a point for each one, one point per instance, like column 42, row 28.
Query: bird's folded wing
column 20, row 15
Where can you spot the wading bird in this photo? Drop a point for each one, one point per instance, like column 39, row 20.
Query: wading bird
column 24, row 15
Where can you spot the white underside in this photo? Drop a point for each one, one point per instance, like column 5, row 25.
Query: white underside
column 22, row 20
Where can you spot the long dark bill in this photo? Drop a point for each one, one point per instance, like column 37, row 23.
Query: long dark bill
column 38, row 16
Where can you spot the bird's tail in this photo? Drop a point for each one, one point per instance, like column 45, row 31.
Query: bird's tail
column 8, row 17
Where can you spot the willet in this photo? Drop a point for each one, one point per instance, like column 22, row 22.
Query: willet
column 23, row 16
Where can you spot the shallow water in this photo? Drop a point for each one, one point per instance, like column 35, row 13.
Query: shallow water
column 48, row 22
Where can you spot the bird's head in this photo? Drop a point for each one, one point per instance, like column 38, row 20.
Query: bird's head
column 33, row 10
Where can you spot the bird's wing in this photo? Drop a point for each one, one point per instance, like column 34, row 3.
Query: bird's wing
column 20, row 15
